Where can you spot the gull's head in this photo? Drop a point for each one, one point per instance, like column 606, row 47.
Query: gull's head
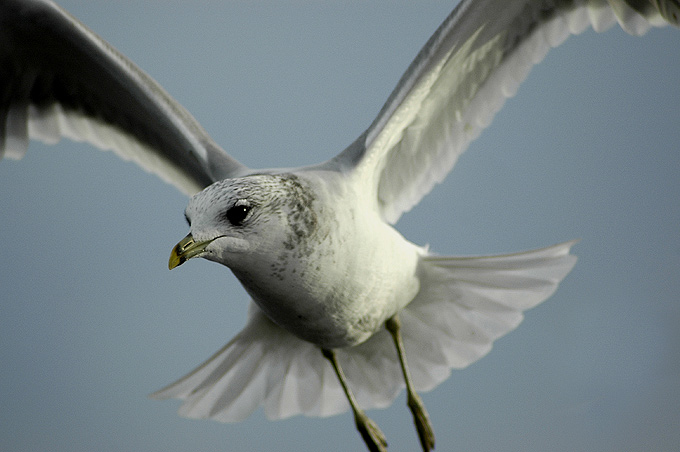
column 236, row 221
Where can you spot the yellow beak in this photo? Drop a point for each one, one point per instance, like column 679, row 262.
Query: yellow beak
column 185, row 250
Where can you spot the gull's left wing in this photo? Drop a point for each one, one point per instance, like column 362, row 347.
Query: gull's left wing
column 460, row 79
column 59, row 79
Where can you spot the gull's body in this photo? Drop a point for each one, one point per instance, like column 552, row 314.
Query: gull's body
column 314, row 285
column 389, row 228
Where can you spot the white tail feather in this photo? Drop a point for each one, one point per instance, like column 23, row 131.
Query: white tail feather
column 464, row 304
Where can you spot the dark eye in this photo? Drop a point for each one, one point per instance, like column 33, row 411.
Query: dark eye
column 237, row 214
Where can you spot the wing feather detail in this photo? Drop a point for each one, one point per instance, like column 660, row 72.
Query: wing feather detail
column 460, row 79
column 59, row 79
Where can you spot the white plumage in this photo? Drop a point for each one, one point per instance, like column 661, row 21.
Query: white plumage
column 444, row 100
column 465, row 304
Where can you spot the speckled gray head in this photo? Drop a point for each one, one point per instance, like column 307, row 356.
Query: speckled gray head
column 252, row 215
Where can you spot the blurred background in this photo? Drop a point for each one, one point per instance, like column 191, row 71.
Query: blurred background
column 91, row 320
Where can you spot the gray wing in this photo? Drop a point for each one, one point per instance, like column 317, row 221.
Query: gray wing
column 461, row 78
column 59, row 79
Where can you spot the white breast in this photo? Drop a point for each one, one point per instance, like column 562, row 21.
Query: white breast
column 338, row 287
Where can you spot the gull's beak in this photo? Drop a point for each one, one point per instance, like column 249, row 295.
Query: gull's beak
column 185, row 250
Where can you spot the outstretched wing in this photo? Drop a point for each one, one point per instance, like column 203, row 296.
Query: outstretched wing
column 59, row 79
column 461, row 78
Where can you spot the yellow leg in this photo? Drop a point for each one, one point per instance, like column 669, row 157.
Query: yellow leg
column 415, row 403
column 373, row 437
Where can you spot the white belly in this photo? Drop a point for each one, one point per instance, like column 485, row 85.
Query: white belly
column 342, row 293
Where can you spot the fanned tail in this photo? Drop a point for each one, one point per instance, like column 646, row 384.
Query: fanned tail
column 464, row 304
column 263, row 365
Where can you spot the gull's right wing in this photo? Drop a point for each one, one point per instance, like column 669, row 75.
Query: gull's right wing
column 59, row 79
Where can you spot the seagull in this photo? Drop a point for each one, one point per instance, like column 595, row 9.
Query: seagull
column 345, row 312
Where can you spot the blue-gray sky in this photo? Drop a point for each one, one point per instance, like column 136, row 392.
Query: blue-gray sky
column 91, row 320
